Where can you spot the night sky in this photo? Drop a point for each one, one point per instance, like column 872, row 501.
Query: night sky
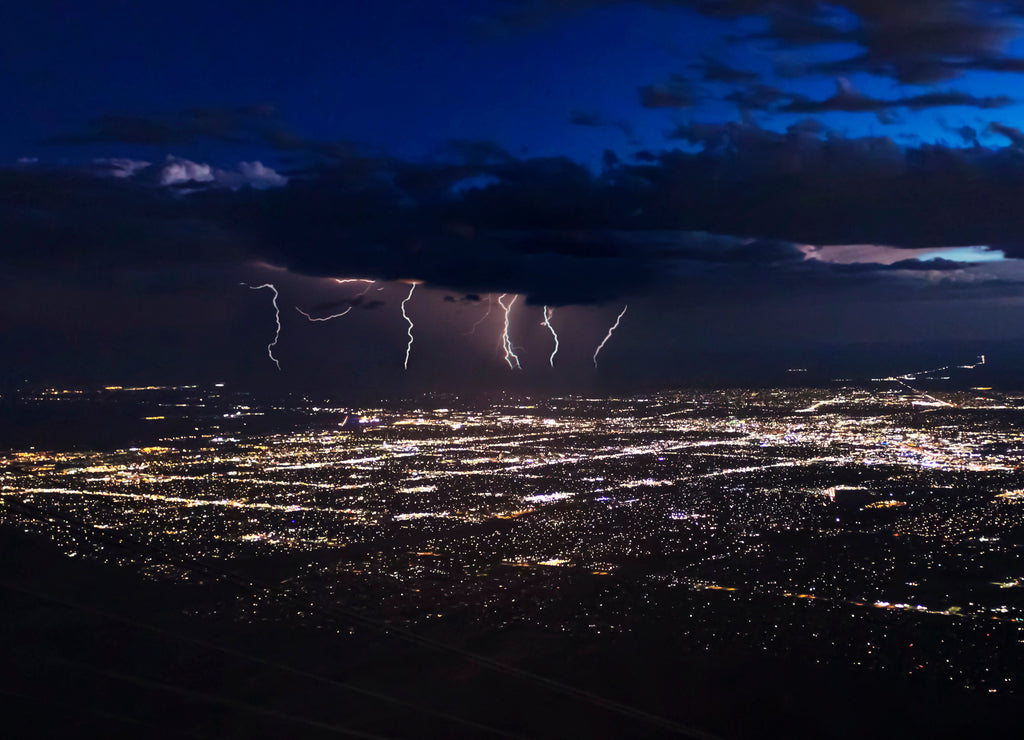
column 765, row 184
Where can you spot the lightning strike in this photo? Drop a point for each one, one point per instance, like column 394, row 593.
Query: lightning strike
column 364, row 291
column 370, row 284
column 490, row 305
column 323, row 318
column 277, row 319
column 408, row 347
column 609, row 334
column 510, row 355
column 548, row 313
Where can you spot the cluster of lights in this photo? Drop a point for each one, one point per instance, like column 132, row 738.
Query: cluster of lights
column 709, row 489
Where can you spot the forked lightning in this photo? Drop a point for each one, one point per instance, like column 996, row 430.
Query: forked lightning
column 609, row 334
column 408, row 347
column 277, row 319
column 510, row 355
column 548, row 313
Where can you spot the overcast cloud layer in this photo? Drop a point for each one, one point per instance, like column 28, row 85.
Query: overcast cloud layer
column 485, row 221
column 753, row 196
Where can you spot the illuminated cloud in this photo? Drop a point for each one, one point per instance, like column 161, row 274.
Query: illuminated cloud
column 187, row 175
column 254, row 174
column 175, row 171
column 678, row 92
column 178, row 171
column 847, row 254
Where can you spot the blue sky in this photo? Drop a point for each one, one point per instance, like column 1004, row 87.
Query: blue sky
column 407, row 76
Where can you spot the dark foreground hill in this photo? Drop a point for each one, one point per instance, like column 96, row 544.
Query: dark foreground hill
column 92, row 650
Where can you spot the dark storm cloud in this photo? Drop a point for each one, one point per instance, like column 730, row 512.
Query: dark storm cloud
column 739, row 201
column 912, row 41
column 359, row 301
column 849, row 100
column 56, row 219
column 554, row 231
column 477, row 152
column 222, row 124
column 678, row 92
column 1015, row 135
column 935, row 264
column 921, row 41
column 968, row 134
column 130, row 130
column 717, row 248
column 593, row 119
column 829, row 189
column 714, row 70
column 807, row 127
column 254, row 126
column 757, row 97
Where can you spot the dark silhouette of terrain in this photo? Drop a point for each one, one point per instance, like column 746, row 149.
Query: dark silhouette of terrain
column 93, row 650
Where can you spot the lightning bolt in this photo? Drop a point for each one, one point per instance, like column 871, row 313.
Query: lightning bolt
column 351, row 305
column 323, row 318
column 277, row 319
column 490, row 305
column 548, row 313
column 408, row 347
column 609, row 334
column 510, row 355
column 364, row 291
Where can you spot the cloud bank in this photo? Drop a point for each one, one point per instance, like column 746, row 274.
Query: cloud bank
column 739, row 197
